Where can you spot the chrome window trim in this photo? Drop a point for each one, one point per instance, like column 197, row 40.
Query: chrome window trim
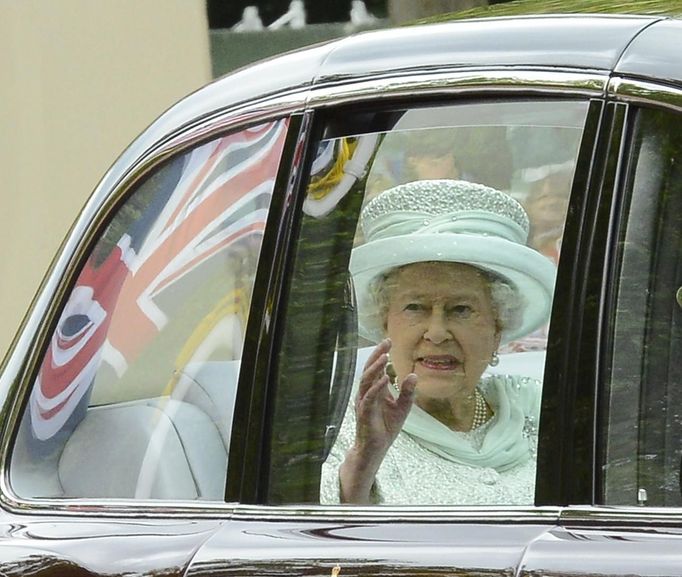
column 646, row 92
column 448, row 82
column 622, row 515
column 14, row 381
column 120, row 508
column 396, row 514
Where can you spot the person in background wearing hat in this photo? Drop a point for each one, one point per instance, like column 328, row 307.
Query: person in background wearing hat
column 443, row 278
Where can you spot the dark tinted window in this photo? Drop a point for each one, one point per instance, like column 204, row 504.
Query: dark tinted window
column 643, row 436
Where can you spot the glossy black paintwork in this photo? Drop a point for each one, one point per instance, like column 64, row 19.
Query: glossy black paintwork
column 314, row 548
column 64, row 546
column 551, row 42
column 654, row 53
column 605, row 552
column 243, row 480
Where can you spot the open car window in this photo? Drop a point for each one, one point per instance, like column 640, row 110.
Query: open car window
column 454, row 212
column 135, row 393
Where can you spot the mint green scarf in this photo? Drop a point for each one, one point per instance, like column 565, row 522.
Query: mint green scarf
column 509, row 437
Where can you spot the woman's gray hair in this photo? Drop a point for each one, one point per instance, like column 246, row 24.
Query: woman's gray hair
column 508, row 304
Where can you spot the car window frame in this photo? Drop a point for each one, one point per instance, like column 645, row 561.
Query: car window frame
column 632, row 93
column 64, row 273
column 642, row 389
column 587, row 151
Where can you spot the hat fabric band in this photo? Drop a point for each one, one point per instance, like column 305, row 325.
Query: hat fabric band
column 472, row 222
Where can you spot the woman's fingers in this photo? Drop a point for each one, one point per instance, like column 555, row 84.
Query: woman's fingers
column 375, row 367
column 375, row 404
column 407, row 389
column 380, row 351
column 371, row 374
column 376, row 389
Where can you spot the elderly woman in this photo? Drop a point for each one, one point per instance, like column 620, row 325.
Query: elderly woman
column 443, row 279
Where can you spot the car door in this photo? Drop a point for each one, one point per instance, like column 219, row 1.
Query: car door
column 540, row 146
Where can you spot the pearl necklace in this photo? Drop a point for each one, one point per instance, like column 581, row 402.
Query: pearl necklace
column 480, row 410
column 480, row 407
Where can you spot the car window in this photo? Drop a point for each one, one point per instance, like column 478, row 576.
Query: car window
column 134, row 395
column 643, row 403
column 440, row 228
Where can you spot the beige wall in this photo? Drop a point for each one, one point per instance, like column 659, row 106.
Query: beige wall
column 79, row 79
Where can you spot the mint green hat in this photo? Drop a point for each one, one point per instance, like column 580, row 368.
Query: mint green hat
column 450, row 221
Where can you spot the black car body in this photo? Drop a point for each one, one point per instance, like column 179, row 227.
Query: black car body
column 605, row 91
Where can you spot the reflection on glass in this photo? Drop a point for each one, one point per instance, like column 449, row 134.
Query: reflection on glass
column 126, row 394
column 642, row 453
column 453, row 260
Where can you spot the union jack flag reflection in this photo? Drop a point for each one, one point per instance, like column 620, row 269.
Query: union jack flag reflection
column 187, row 236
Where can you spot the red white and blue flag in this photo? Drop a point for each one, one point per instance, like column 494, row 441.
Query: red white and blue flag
column 214, row 196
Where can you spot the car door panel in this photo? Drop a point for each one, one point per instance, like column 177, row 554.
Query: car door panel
column 360, row 548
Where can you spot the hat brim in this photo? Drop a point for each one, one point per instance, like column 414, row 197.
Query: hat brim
column 532, row 274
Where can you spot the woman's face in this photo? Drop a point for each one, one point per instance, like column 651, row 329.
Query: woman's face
column 443, row 327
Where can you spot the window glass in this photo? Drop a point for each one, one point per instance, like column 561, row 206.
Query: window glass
column 134, row 396
column 644, row 403
column 447, row 222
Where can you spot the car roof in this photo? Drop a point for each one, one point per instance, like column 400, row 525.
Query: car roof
column 644, row 46
column 542, row 41
column 652, row 53
column 531, row 41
